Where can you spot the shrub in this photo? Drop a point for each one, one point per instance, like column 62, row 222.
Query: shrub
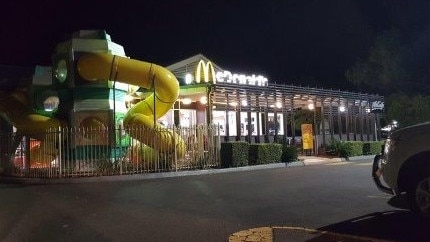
column 289, row 153
column 339, row 148
column 344, row 150
column 356, row 148
column 234, row 154
column 264, row 153
column 372, row 147
column 332, row 147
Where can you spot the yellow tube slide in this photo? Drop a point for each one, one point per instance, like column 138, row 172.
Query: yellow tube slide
column 100, row 66
column 16, row 108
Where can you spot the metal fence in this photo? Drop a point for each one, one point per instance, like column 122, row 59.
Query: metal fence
column 79, row 152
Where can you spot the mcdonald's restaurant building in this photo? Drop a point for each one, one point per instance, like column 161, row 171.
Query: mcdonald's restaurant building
column 248, row 107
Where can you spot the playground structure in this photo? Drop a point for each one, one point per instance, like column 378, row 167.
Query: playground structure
column 87, row 88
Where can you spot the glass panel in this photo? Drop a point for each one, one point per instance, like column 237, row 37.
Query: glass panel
column 273, row 124
column 167, row 120
column 254, row 123
column 232, row 123
column 245, row 126
column 187, row 117
column 280, row 122
column 243, row 123
column 261, row 123
column 219, row 119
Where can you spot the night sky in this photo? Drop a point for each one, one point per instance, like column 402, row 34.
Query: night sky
column 301, row 42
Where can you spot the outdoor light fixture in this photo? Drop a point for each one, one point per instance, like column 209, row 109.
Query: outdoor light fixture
column 203, row 100
column 278, row 105
column 51, row 103
column 61, row 71
column 311, row 106
column 186, row 101
column 188, row 78
column 342, row 109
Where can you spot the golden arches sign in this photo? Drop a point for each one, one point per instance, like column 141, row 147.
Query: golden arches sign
column 205, row 71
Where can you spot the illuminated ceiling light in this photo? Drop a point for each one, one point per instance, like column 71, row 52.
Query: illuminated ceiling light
column 342, row 109
column 311, row 106
column 188, row 78
column 278, row 105
column 234, row 104
column 186, row 101
column 244, row 103
column 203, row 100
column 368, row 110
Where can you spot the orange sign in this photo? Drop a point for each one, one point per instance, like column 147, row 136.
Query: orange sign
column 307, row 136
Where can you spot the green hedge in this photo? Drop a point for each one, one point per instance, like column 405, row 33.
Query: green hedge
column 356, row 148
column 372, row 147
column 347, row 149
column 289, row 153
column 264, row 153
column 339, row 148
column 234, row 154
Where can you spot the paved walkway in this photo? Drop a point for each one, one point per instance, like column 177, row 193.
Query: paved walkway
column 311, row 160
column 274, row 234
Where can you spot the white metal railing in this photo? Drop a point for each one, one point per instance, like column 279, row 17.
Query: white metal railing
column 78, row 152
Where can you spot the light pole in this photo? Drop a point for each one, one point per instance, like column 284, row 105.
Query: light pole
column 311, row 107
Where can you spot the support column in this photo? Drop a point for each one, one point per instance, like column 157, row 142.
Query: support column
column 347, row 126
column 361, row 120
column 293, row 121
column 227, row 123
column 285, row 119
column 330, row 120
column 209, row 106
column 339, row 119
column 322, row 115
column 249, row 126
column 257, row 138
column 266, row 119
column 238, row 124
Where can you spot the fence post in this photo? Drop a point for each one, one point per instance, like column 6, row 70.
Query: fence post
column 120, row 146
column 59, row 160
column 175, row 153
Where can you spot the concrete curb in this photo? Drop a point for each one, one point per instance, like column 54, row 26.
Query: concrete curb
column 363, row 157
column 145, row 176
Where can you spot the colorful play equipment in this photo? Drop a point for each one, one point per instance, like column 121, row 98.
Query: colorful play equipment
column 87, row 88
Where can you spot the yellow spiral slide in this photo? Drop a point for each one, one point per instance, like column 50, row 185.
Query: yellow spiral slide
column 102, row 66
column 15, row 107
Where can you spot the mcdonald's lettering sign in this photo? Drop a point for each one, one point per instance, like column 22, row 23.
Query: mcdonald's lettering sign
column 226, row 76
column 205, row 71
